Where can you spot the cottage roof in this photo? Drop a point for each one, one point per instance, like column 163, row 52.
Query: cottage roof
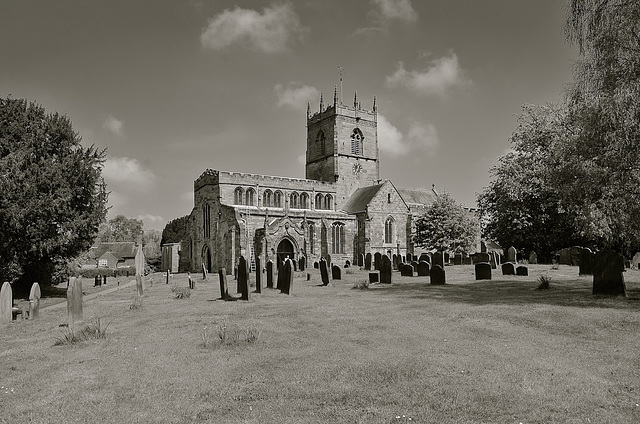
column 121, row 250
column 360, row 199
column 106, row 255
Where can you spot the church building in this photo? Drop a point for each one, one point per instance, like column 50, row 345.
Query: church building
column 341, row 209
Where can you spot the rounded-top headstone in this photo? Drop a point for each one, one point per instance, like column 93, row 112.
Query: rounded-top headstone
column 608, row 279
column 6, row 302
column 406, row 270
column 424, row 269
column 437, row 275
column 508, row 268
column 483, row 271
column 522, row 270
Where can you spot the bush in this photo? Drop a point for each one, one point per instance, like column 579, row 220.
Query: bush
column 93, row 330
column 544, row 282
column 181, row 292
column 229, row 335
column 361, row 285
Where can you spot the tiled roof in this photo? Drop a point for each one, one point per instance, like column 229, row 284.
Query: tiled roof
column 360, row 199
column 125, row 249
column 417, row 196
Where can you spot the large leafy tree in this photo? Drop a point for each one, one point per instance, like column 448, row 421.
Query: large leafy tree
column 121, row 228
column 447, row 226
column 176, row 230
column 52, row 195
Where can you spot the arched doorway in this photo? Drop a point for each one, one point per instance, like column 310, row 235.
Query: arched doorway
column 206, row 258
column 284, row 250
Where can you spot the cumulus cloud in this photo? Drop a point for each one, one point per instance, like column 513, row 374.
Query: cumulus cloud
column 114, row 125
column 127, row 173
column 402, row 10
column 441, row 75
column 420, row 137
column 155, row 219
column 267, row 32
column 295, row 95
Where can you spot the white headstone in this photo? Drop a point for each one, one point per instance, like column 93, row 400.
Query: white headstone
column 6, row 303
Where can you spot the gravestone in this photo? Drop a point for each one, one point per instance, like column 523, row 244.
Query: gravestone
column 437, row 275
column 336, row 273
column 316, row 265
column 483, row 247
column 385, row 269
column 361, row 260
column 447, row 257
column 224, row 289
column 586, row 262
column 437, row 258
column 269, row 274
column 424, row 269
column 635, row 261
column 395, row 262
column 204, row 272
column 508, row 268
column 324, row 272
column 406, row 270
column 424, row 257
column 564, row 257
column 6, row 302
column 414, row 264
column 167, row 276
column 258, row 275
column 347, row 264
column 522, row 270
column 192, row 283
column 512, row 254
column 104, row 280
column 608, row 279
column 492, row 260
column 373, row 277
column 74, row 303
column 139, row 263
column 466, row 260
column 533, row 258
column 574, row 255
column 287, row 278
column 243, row 281
column 367, row 262
column 377, row 257
column 481, row 257
column 329, row 262
column 302, row 263
column 483, row 271
column 97, row 281
column 457, row 259
column 34, row 301
column 496, row 255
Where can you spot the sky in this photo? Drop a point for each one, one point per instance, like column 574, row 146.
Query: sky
column 172, row 87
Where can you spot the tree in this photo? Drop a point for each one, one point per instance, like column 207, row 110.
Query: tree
column 447, row 226
column 121, row 228
column 151, row 248
column 176, row 230
column 52, row 195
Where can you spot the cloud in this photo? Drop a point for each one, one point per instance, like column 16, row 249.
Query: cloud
column 388, row 10
column 420, row 138
column 127, row 174
column 267, row 32
column 114, row 125
column 295, row 95
column 441, row 75
column 150, row 218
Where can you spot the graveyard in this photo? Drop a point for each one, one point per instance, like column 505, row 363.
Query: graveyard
column 491, row 350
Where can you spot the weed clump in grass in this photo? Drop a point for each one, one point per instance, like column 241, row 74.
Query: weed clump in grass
column 361, row 285
column 181, row 292
column 229, row 336
column 544, row 282
column 93, row 330
column 136, row 303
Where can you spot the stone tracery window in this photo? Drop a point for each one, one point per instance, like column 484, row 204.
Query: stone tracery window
column 319, row 201
column 237, row 196
column 293, row 200
column 337, row 237
column 356, row 142
column 328, row 202
column 277, row 199
column 304, row 201
column 388, row 230
column 267, row 199
column 250, row 197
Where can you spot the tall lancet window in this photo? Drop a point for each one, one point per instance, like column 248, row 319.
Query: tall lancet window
column 322, row 141
column 388, row 230
column 356, row 142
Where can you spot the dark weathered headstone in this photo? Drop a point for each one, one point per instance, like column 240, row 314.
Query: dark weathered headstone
column 406, row 270
column 302, row 263
column 483, row 246
column 6, row 302
column 97, row 281
column 586, row 262
column 424, row 269
column 466, row 260
column 204, row 272
column 414, row 264
column 347, row 263
column 424, row 257
column 373, row 277
column 481, row 257
column 367, row 262
column 574, row 255
column 483, row 271
column 376, row 261
column 336, row 273
column 269, row 274
column 522, row 270
column 34, row 301
column 104, row 280
column 324, row 272
column 224, row 289
column 192, row 282
column 361, row 260
column 295, row 264
column 493, row 261
column 564, row 257
column 316, row 265
column 533, row 258
column 437, row 259
column 243, row 281
column 74, row 302
column 287, row 278
column 258, row 275
column 512, row 254
column 608, row 279
column 167, row 276
column 437, row 275
column 395, row 261
column 139, row 263
column 508, row 268
column 385, row 269
column 457, row 259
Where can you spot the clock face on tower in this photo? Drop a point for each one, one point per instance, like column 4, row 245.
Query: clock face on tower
column 357, row 168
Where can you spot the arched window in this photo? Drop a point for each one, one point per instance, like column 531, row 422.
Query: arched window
column 206, row 220
column 337, row 237
column 319, row 201
column 293, row 200
column 388, row 230
column 277, row 199
column 356, row 142
column 250, row 197
column 328, row 202
column 304, row 201
column 312, row 237
column 237, row 196
column 267, row 199
column 322, row 141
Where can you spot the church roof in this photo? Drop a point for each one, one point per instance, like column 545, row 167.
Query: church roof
column 360, row 199
column 417, row 196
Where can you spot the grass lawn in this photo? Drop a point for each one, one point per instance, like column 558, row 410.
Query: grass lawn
column 471, row 351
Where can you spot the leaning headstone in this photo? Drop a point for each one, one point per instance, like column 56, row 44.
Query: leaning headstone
column 336, row 273
column 608, row 279
column 139, row 263
column 512, row 254
column 496, row 255
column 483, row 271
column 437, row 259
column 324, row 272
column 373, row 277
column 367, row 262
column 6, row 302
column 522, row 270
column 385, row 269
column 287, row 278
column 424, row 269
column 376, row 261
column 492, row 260
column 224, row 289
column 258, row 275
column 74, row 302
column 34, row 301
column 437, row 275
column 406, row 270
column 508, row 268
column 204, row 272
column 586, row 262
column 269, row 274
column 243, row 281
column 533, row 258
